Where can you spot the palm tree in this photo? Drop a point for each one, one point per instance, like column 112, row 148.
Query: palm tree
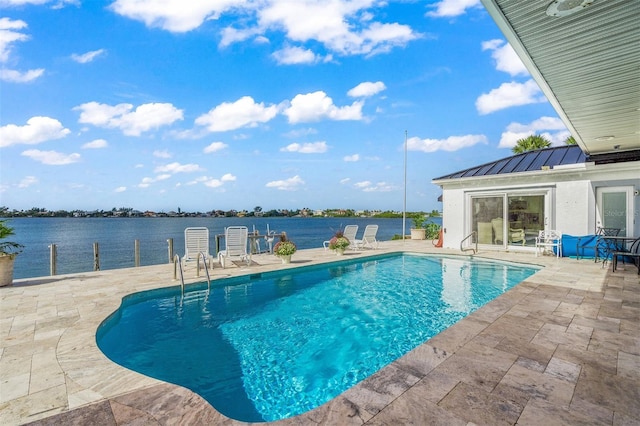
column 570, row 141
column 530, row 143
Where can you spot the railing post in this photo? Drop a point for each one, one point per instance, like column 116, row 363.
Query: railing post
column 170, row 247
column 96, row 257
column 53, row 258
column 136, row 251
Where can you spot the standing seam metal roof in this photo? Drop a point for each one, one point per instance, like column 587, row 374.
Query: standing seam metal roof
column 525, row 162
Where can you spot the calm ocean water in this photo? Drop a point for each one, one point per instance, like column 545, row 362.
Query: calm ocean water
column 74, row 238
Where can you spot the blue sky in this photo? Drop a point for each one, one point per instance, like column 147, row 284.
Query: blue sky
column 233, row 104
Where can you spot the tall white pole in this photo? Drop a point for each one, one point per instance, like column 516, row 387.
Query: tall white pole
column 404, row 203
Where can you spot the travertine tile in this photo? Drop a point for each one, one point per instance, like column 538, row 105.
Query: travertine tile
column 479, row 365
column 473, row 404
column 521, row 384
column 564, row 370
column 629, row 365
column 539, row 412
column 617, row 393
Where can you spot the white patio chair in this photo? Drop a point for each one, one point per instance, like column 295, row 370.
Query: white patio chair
column 368, row 238
column 235, row 241
column 349, row 233
column 196, row 241
column 548, row 239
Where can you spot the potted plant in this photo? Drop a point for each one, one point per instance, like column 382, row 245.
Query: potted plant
column 8, row 252
column 418, row 231
column 339, row 243
column 284, row 249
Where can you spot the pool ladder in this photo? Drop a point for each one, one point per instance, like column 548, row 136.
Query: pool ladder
column 206, row 268
column 177, row 266
column 463, row 248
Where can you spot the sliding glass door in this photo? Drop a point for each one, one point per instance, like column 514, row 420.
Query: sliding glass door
column 509, row 219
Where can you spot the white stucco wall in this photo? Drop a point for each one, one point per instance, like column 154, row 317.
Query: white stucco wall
column 572, row 208
column 453, row 222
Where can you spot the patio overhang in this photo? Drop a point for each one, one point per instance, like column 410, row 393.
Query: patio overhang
column 585, row 56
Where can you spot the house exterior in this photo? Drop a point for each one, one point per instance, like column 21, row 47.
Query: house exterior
column 508, row 201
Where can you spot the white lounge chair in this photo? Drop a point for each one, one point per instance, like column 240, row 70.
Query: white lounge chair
column 196, row 241
column 368, row 238
column 349, row 233
column 235, row 241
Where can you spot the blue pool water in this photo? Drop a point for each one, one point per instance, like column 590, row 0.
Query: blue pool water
column 274, row 345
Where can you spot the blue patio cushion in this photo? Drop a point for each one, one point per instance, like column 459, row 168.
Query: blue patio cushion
column 587, row 245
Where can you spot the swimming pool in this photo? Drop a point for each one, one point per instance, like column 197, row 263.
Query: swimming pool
column 269, row 346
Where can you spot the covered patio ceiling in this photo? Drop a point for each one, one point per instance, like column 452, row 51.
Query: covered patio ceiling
column 585, row 56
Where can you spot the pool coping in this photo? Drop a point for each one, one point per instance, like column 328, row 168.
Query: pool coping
column 49, row 323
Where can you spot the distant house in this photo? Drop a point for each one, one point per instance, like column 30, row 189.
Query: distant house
column 506, row 202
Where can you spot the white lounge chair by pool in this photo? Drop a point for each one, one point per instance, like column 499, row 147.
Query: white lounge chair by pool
column 235, row 241
column 196, row 241
column 368, row 238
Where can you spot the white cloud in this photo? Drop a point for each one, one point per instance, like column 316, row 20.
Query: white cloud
column 120, row 189
column 452, row 143
column 214, row 147
column 27, row 181
column 37, row 129
column 13, row 76
column 345, row 27
column 508, row 95
column 317, row 105
column 298, row 133
column 96, row 144
column 451, row 8
column 352, row 158
column 306, row 148
column 172, row 15
column 161, row 154
column 291, row 184
column 506, row 58
column 341, row 26
column 51, row 158
column 366, row 89
column 295, row 55
column 57, row 3
column 131, row 122
column 232, row 35
column 213, row 182
column 10, row 35
column 178, row 168
column 551, row 128
column 244, row 112
column 368, row 186
column 147, row 181
column 345, row 181
column 87, row 57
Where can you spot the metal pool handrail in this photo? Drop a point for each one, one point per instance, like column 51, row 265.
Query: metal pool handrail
column 178, row 266
column 206, row 268
column 462, row 248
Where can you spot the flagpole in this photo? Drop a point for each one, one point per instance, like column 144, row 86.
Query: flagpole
column 404, row 203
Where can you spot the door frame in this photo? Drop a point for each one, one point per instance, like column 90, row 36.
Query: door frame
column 629, row 192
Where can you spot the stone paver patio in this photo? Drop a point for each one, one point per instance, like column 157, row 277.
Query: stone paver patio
column 562, row 347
